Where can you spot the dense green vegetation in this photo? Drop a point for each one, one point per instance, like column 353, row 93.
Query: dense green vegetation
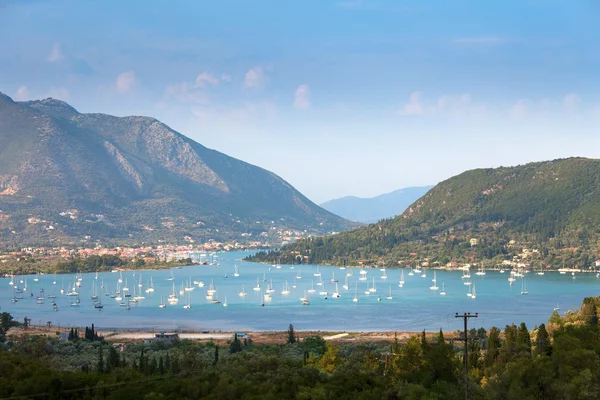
column 553, row 207
column 104, row 263
column 559, row 360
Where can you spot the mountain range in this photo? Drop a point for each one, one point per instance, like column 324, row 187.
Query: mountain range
column 67, row 176
column 546, row 213
column 373, row 209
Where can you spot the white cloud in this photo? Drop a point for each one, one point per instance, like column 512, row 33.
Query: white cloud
column 205, row 78
column 55, row 54
column 58, row 93
column 125, row 82
column 22, row 93
column 519, row 109
column 225, row 78
column 302, row 97
column 448, row 105
column 415, row 105
column 571, row 102
column 186, row 92
column 255, row 77
column 489, row 40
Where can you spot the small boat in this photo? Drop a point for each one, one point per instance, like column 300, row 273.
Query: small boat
column 120, row 277
column 434, row 286
column 298, row 275
column 333, row 280
column 270, row 288
column 189, row 287
column 389, row 297
column 102, row 284
column 443, row 292
column 189, row 304
column 242, row 293
column 182, row 290
column 96, row 275
column 481, row 271
column 411, row 273
column 150, row 288
column 237, row 272
column 401, row 281
column 557, row 308
column 286, row 289
column 384, row 276
column 225, row 302
column 312, row 288
column 318, row 273
column 98, row 306
column 373, row 289
column 162, row 303
column 305, row 297
column 257, row 287
column 355, row 299
column 473, row 293
column 173, row 297
column 336, row 294
column 524, row 288
column 172, row 277
column 345, row 286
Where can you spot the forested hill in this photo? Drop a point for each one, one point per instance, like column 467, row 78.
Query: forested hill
column 552, row 207
column 66, row 176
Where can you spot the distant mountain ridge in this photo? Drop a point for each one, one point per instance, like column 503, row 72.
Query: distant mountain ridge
column 373, row 209
column 544, row 213
column 66, row 175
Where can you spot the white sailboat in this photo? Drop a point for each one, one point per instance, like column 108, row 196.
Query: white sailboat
column 355, row 299
column 312, row 287
column 333, row 280
column 401, row 281
column 318, row 273
column 298, row 274
column 373, row 289
column 182, row 290
column 304, row 298
column 173, row 297
column 336, row 294
column 473, row 293
column 236, row 273
column 189, row 287
column 481, row 271
column 189, row 302
column 225, row 302
column 384, row 276
column 242, row 293
column 150, row 288
column 524, row 287
column 389, row 297
column 434, row 280
column 120, row 277
column 345, row 286
column 257, row 287
column 286, row 289
column 270, row 289
column 320, row 281
column 443, row 292
column 411, row 273
column 125, row 288
column 162, row 304
column 171, row 277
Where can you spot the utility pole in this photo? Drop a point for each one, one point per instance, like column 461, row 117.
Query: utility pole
column 465, row 317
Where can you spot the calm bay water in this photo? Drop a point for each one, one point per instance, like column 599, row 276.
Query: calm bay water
column 412, row 308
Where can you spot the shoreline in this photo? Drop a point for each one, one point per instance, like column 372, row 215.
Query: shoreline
column 258, row 337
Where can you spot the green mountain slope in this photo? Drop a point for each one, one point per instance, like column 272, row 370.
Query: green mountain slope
column 552, row 207
column 66, row 175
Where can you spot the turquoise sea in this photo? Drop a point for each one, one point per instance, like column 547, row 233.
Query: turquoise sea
column 412, row 308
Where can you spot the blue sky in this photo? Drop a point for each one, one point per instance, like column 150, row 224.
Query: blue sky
column 337, row 97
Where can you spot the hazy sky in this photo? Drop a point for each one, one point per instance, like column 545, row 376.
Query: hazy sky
column 337, row 97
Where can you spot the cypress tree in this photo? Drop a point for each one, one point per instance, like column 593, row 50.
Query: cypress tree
column 235, row 346
column 523, row 338
column 291, row 335
column 168, row 362
column 100, row 366
column 542, row 343
column 216, row 355
column 142, row 365
column 161, row 366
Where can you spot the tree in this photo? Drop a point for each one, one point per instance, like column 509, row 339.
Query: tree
column 235, row 346
column 216, row 360
column 291, row 335
column 523, row 338
column 542, row 341
column 161, row 366
column 100, row 365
